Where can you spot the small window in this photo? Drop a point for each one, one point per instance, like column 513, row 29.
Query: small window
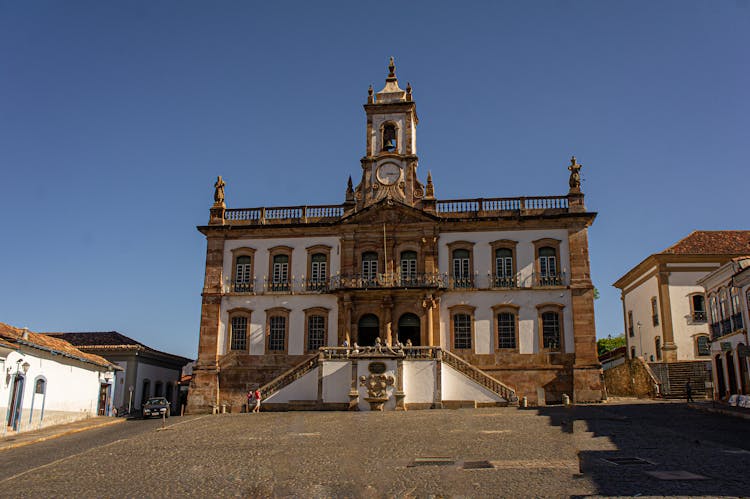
column 703, row 345
column 408, row 267
column 698, row 308
column 277, row 334
column 551, row 331
column 506, row 330
column 280, row 278
column 243, row 274
column 370, row 268
column 462, row 268
column 39, row 386
column 316, row 330
column 238, row 333
column 654, row 312
column 462, row 332
column 631, row 331
column 657, row 346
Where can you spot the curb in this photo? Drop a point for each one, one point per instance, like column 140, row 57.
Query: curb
column 718, row 410
column 70, row 431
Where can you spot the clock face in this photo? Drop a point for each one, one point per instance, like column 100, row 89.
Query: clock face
column 389, row 173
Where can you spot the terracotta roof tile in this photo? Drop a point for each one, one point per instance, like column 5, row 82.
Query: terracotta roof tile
column 712, row 242
column 110, row 341
column 16, row 335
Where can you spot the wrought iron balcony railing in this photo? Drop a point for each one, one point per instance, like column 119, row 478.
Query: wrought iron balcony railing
column 715, row 330
column 549, row 280
column 503, row 281
column 367, row 281
column 243, row 286
column 699, row 316
column 737, row 324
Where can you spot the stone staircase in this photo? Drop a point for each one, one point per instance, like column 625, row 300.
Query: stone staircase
column 479, row 376
column 673, row 376
column 414, row 353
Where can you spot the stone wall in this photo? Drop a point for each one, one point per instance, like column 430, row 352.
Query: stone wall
column 630, row 379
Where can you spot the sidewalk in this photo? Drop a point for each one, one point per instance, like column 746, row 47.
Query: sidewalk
column 720, row 408
column 12, row 441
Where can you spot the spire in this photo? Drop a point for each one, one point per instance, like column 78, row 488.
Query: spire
column 349, row 191
column 430, row 189
column 391, row 92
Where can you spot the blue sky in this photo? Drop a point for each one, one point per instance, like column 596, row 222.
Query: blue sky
column 116, row 117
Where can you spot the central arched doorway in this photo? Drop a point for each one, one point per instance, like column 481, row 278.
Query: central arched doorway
column 368, row 328
column 408, row 329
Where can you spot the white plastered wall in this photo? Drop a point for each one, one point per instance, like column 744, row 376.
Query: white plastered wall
column 154, row 374
column 681, row 286
column 638, row 300
column 304, row 388
column 528, row 318
column 456, row 386
column 257, row 327
column 337, row 379
column 71, row 391
column 419, row 381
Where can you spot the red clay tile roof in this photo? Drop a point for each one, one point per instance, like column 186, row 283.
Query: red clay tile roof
column 110, row 341
column 15, row 335
column 712, row 242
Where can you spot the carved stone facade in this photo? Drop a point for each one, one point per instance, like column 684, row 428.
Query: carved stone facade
column 504, row 283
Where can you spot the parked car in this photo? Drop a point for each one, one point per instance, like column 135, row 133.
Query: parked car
column 156, row 406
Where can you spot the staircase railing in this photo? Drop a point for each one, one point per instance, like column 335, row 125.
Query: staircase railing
column 479, row 376
column 288, row 377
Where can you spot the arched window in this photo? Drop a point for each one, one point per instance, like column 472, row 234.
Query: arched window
column 318, row 269
column 551, row 337
column 736, row 310
column 698, row 307
column 504, row 263
column 390, row 143
column 408, row 267
column 316, row 332
column 40, row 386
column 547, row 264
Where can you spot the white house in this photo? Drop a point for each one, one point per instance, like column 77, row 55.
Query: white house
column 47, row 381
column 728, row 295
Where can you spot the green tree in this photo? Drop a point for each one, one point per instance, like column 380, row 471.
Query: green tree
column 609, row 343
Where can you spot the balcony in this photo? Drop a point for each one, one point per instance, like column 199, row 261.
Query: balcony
column 243, row 286
column 699, row 316
column 715, row 330
column 737, row 324
column 504, row 282
column 366, row 281
column 549, row 280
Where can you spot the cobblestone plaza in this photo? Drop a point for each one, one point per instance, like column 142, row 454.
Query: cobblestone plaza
column 497, row 452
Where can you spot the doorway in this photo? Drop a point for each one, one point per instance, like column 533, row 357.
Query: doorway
column 731, row 374
column 721, row 385
column 368, row 328
column 101, row 409
column 409, row 330
column 16, row 401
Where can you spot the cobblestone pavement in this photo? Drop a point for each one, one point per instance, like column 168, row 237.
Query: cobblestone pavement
column 535, row 452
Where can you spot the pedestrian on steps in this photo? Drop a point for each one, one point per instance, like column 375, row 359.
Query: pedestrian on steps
column 689, row 391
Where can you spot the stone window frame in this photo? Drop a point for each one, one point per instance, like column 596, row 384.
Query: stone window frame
column 272, row 253
column 543, row 308
column 359, row 263
column 236, row 253
column 546, row 242
column 696, row 349
column 238, row 312
column 408, row 247
column 315, row 250
column 381, row 142
column 693, row 317
column 461, row 245
column 503, row 244
column 320, row 311
column 462, row 309
column 277, row 312
column 504, row 308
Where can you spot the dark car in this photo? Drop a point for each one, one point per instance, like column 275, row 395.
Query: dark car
column 156, row 406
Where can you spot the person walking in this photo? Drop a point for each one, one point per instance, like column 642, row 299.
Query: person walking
column 249, row 401
column 689, row 391
column 256, row 396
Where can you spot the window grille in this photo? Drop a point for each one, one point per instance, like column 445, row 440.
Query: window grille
column 315, row 332
column 551, row 330
column 239, row 333
column 461, row 331
column 277, row 334
column 506, row 330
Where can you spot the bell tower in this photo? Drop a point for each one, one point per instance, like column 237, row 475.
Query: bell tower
column 389, row 168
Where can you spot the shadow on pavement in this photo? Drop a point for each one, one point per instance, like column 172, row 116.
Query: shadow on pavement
column 657, row 448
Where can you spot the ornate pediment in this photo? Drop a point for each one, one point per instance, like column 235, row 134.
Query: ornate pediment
column 389, row 211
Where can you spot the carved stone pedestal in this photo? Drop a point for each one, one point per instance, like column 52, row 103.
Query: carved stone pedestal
column 400, row 396
column 353, row 400
column 376, row 403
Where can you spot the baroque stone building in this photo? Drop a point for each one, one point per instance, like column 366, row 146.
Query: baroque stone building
column 502, row 283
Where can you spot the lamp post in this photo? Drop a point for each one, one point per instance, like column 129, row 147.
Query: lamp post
column 130, row 399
